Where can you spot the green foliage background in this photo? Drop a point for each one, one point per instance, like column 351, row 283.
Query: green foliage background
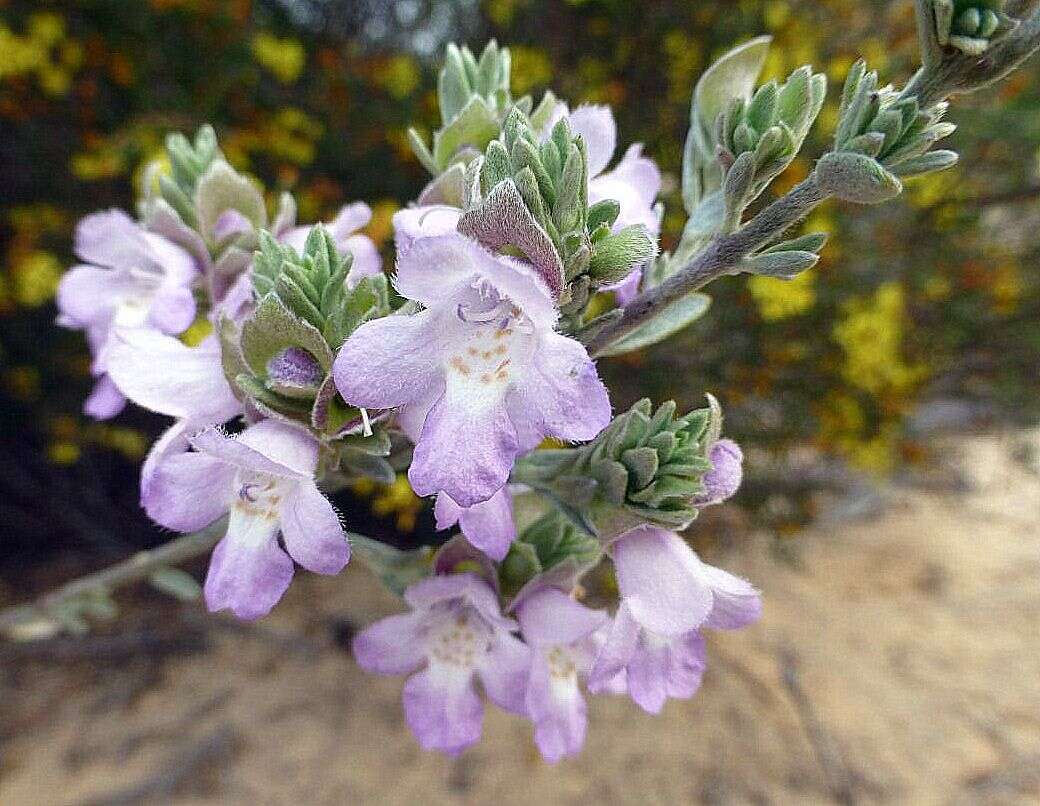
column 933, row 297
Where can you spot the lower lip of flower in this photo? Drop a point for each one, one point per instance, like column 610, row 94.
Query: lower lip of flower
column 459, row 640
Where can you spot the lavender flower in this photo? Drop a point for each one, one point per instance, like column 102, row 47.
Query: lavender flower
column 131, row 278
column 455, row 634
column 265, row 479
column 562, row 636
column 423, row 221
column 164, row 375
column 488, row 525
column 725, row 476
column 480, row 372
column 667, row 596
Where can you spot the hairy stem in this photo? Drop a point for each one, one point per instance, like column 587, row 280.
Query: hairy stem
column 956, row 72
column 722, row 256
column 138, row 567
column 945, row 72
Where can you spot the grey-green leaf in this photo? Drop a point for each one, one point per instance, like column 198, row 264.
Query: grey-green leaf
column 667, row 322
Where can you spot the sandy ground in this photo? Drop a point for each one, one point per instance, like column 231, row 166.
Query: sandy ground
column 897, row 662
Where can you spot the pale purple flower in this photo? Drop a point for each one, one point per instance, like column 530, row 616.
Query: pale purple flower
column 488, row 525
column 562, row 636
column 131, row 278
column 479, row 372
column 344, row 231
column 264, row 480
column 634, row 183
column 423, row 221
column 725, row 476
column 164, row 375
column 455, row 635
column 667, row 596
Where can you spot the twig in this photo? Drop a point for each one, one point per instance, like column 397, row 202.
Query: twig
column 107, row 648
column 945, row 72
column 189, row 763
column 719, row 258
column 141, row 566
column 1011, row 196
column 954, row 72
column 839, row 780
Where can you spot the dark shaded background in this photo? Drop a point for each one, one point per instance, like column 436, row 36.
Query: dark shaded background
column 923, row 313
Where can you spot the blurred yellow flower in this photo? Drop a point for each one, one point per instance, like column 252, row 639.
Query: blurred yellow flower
column 531, row 68
column 871, row 335
column 35, row 53
column 283, row 58
column 399, row 76
column 395, row 500
column 783, row 299
column 36, row 278
column 381, row 227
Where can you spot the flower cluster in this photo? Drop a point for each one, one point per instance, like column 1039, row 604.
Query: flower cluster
column 293, row 366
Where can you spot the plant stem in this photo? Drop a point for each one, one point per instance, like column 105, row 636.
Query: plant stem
column 722, row 256
column 956, row 72
column 138, row 567
column 945, row 72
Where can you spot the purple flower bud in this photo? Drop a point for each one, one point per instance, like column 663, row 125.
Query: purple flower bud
column 723, row 480
column 295, row 368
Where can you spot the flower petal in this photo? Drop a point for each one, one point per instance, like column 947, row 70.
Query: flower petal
column 433, row 270
column 634, row 183
column 687, row 660
column 725, row 476
column 367, row 262
column 504, row 672
column 187, row 491
column 436, row 270
column 111, row 238
column 267, row 447
column 413, row 223
column 172, row 310
column 88, row 295
column 350, row 218
column 488, row 525
column 392, row 645
column 558, row 710
column 617, row 651
column 248, row 572
column 164, row 375
column 443, row 709
column 312, row 531
column 647, row 674
column 105, row 400
column 661, row 581
column 389, row 362
column 550, row 617
column 627, row 289
column 178, row 266
column 173, row 440
column 466, row 586
column 596, row 124
column 561, row 395
column 467, row 448
column 737, row 603
column 236, row 302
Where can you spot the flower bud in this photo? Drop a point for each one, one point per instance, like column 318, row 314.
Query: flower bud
column 723, row 480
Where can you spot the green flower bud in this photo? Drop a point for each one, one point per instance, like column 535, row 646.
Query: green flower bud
column 281, row 357
column 646, row 465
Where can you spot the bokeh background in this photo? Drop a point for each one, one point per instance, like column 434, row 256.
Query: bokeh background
column 922, row 318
